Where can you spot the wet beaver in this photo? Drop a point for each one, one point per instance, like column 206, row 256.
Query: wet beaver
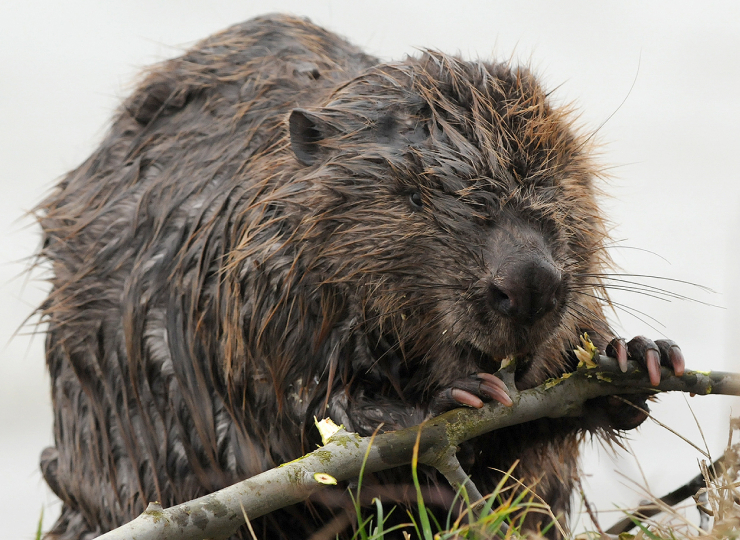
column 279, row 226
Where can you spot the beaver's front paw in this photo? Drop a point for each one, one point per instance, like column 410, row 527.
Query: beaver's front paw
column 622, row 412
column 629, row 411
column 471, row 391
column 652, row 354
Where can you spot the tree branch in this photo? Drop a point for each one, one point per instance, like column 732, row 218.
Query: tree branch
column 219, row 514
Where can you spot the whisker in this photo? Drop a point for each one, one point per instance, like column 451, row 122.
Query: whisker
column 635, row 284
column 647, row 276
column 641, row 250
column 629, row 92
column 588, row 317
column 647, row 290
column 630, row 311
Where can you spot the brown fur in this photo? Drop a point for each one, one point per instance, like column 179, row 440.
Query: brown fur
column 212, row 292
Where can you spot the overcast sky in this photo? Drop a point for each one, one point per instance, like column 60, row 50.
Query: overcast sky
column 660, row 79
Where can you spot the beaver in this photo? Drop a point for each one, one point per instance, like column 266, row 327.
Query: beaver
column 279, row 226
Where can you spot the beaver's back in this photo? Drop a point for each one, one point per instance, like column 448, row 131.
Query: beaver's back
column 135, row 236
column 243, row 80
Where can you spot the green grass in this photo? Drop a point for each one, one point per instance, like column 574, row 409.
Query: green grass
column 39, row 527
column 501, row 515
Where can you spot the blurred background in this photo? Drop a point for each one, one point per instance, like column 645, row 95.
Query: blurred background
column 658, row 80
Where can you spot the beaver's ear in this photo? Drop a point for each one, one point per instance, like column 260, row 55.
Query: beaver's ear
column 160, row 97
column 307, row 130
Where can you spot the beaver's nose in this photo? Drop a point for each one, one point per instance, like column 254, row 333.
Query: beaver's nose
column 525, row 289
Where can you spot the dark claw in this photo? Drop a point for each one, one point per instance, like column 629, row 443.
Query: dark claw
column 471, row 391
column 618, row 349
column 651, row 354
column 671, row 356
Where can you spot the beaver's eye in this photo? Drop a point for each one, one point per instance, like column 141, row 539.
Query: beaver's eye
column 416, row 202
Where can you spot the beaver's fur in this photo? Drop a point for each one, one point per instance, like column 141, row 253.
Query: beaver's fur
column 225, row 269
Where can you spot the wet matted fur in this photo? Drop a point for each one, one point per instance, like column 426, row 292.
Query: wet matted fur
column 278, row 226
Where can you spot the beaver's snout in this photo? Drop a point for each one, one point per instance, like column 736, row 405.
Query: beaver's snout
column 525, row 288
column 524, row 282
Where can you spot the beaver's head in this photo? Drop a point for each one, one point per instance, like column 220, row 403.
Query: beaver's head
column 456, row 204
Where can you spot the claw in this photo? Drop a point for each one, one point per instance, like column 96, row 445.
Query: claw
column 497, row 394
column 621, row 350
column 495, row 388
column 677, row 360
column 472, row 391
column 652, row 358
column 463, row 397
column 617, row 348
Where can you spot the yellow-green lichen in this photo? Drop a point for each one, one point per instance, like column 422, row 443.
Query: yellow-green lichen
column 155, row 511
column 549, row 383
column 294, row 461
column 295, row 476
column 454, row 430
column 323, row 455
column 344, row 440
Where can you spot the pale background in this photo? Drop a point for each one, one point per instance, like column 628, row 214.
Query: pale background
column 673, row 144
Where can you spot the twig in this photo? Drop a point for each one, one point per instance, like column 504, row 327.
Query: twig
column 589, row 509
column 671, row 499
